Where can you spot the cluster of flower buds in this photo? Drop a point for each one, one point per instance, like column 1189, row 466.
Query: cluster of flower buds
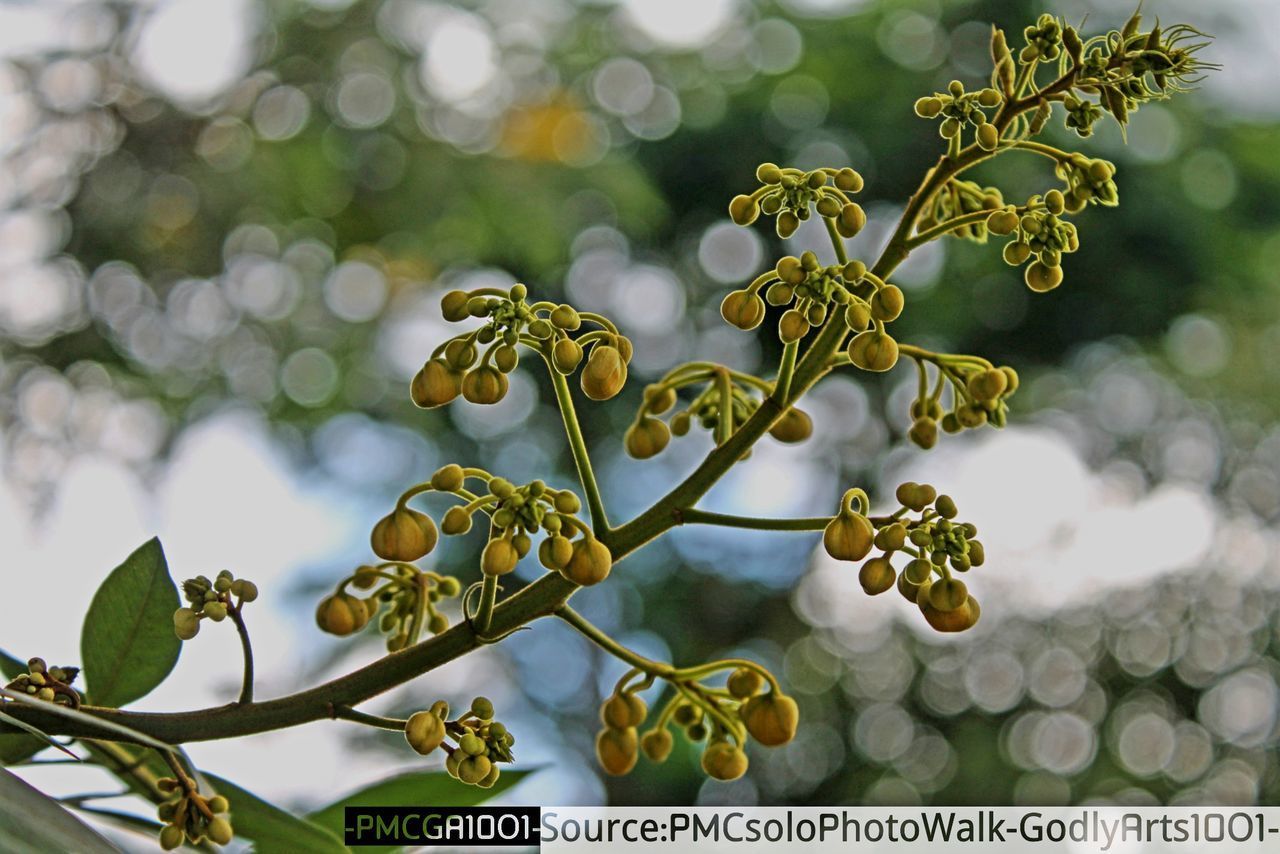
column 51, row 684
column 723, row 718
column 189, row 815
column 727, row 399
column 791, row 194
column 459, row 367
column 412, row 596
column 958, row 198
column 211, row 600
column 1082, row 114
column 1089, row 181
column 937, row 544
column 1044, row 40
column 1040, row 232
column 958, row 108
column 481, row 742
column 979, row 392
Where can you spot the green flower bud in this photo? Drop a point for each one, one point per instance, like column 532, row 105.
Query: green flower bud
column 848, row 180
column 1002, row 223
column 453, row 306
column 891, row 538
column 876, row 576
column 448, row 478
column 623, row 710
column 435, row 385
column 482, row 708
column 988, row 384
column 424, row 732
column 977, row 554
column 244, row 590
column 456, row 521
column 768, row 173
column 567, row 502
column 1054, row 202
column 437, row 623
column 928, row 107
column 687, row 714
column 947, row 594
column 989, row 98
column 790, row 270
column 657, row 744
column 956, row 620
column 887, row 303
column 590, row 563
column 949, row 128
column 565, row 317
column 924, row 433
column 858, row 315
column 723, row 760
column 918, row 571
column 908, row 590
column 484, row 385
column 617, row 750
column 186, row 623
column 795, row 425
column 604, row 374
column 499, row 557
column 660, row 399
column 828, row 206
column 1016, row 253
column 646, row 438
column 403, row 535
column 742, row 309
column 786, row 224
column 851, row 220
column 848, row 536
column 988, row 136
column 555, row 552
column 946, row 507
column 472, row 745
column 460, row 354
column 792, row 326
column 745, row 682
column 341, row 614
column 873, row 350
column 47, row 694
column 218, row 804
column 473, row 769
column 1041, row 277
column 771, row 718
column 216, row 611
column 452, row 762
column 680, row 424
column 170, row 837
column 506, row 358
column 743, row 210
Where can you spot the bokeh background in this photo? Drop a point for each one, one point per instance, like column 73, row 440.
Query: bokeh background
column 224, row 231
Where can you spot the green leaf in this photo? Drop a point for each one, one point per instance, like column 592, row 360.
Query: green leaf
column 10, row 667
column 128, row 646
column 271, row 829
column 36, row 732
column 14, row 746
column 31, row 822
column 417, row 788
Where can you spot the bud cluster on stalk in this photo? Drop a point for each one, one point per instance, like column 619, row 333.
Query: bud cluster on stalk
column 51, row 684
column 977, row 391
column 189, row 816
column 474, row 745
column 958, row 109
column 211, row 600
column 791, row 195
column 935, row 542
column 475, row 364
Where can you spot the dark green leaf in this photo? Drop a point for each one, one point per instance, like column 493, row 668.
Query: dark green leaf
column 36, row 733
column 10, row 667
column 418, row 788
column 31, row 822
column 270, row 828
column 128, row 646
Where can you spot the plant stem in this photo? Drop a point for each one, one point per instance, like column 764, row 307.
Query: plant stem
column 694, row 516
column 578, row 447
column 609, row 645
column 782, row 388
column 246, row 686
column 347, row 713
column 488, row 597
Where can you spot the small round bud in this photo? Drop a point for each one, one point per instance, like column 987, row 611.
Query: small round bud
column 244, row 590
column 928, row 107
column 473, row 769
column 555, row 552
column 743, row 210
column 742, row 309
column 873, row 350
column 924, row 433
column 887, row 303
column 947, row 594
column 617, row 750
column 219, row 804
column 795, row 425
column 848, row 180
column 590, row 563
column 660, row 399
column 786, row 224
column 567, row 502
column 1002, row 223
column 506, row 358
column 1041, row 277
column 482, row 707
column 646, row 438
column 1054, row 202
column 771, row 718
column 456, row 521
column 790, row 270
column 403, row 535
column 437, row 623
column 435, row 385
column 623, row 710
column 499, row 557
column 723, row 760
column 448, row 478
column 946, row 507
column 989, row 98
column 216, row 611
column 956, row 620
column 792, row 326
column 848, row 536
column 472, row 745
column 170, row 837
column 768, row 173
column 988, row 384
column 605, row 373
column 851, row 221
column 186, row 623
column 484, row 385
column 566, row 355
column 876, row 576
column 657, row 744
column 1016, row 253
column 341, row 614
column 453, row 306
column 745, row 682
column 988, row 136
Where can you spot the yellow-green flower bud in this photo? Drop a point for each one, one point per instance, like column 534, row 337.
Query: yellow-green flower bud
column 743, row 210
column 472, row 745
column 605, row 373
column 448, row 478
column 924, row 432
column 555, row 552
column 473, row 769
column 768, row 173
column 590, row 563
column 341, row 614
column 947, row 594
column 216, row 611
column 453, row 306
column 186, row 623
column 928, row 107
column 1016, row 253
column 873, row 350
column 771, row 718
column 848, row 180
column 876, row 576
column 786, row 224
column 617, row 750
column 742, row 309
column 988, row 136
column 1054, row 202
column 404, row 535
column 244, row 590
column 456, row 521
column 1002, row 222
column 565, row 317
column 790, row 270
column 946, row 507
column 723, row 760
column 988, row 384
column 848, row 536
column 424, row 732
column 567, row 502
column 887, row 303
column 795, row 425
column 646, row 438
column 659, row 399
column 484, row 385
column 482, row 707
column 1041, row 277
column 492, row 777
column 499, row 557
column 851, row 220
column 657, row 744
column 623, row 710
column 745, row 682
column 435, row 385
column 957, row 620
column 792, row 326
column 171, row 837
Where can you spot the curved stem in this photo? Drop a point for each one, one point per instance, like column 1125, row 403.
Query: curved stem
column 246, row 686
column 488, row 597
column 782, row 388
column 694, row 516
column 609, row 645
column 578, row 448
column 347, row 713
